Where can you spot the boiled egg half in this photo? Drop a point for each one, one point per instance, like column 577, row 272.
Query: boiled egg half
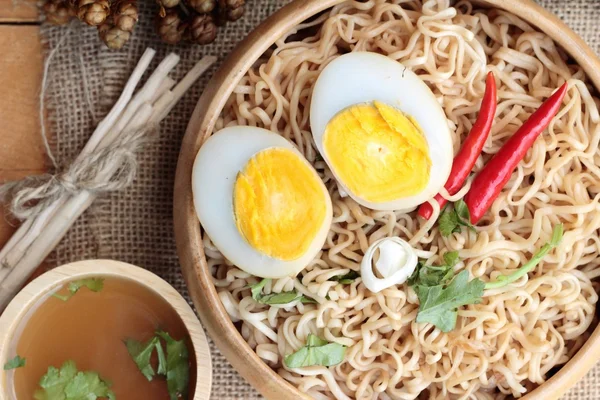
column 260, row 201
column 381, row 130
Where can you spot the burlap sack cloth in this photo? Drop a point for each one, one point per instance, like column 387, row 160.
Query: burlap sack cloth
column 135, row 225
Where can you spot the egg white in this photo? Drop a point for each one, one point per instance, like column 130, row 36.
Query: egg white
column 364, row 77
column 215, row 170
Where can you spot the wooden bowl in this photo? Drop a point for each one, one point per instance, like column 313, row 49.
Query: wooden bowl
column 42, row 287
column 187, row 227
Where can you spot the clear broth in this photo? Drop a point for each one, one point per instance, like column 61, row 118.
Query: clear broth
column 90, row 328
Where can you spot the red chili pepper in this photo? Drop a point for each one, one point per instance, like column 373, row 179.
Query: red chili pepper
column 471, row 148
column 491, row 179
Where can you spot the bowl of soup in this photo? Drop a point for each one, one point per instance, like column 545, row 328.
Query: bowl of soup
column 102, row 329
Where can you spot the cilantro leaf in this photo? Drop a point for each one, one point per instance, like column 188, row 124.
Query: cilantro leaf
column 257, row 288
column 314, row 340
column 504, row 280
column 451, row 258
column 279, row 298
column 316, row 352
column 141, row 353
column 439, row 304
column 448, row 222
column 70, row 384
column 307, row 300
column 346, row 279
column 274, row 298
column 463, row 215
column 430, row 275
column 453, row 217
column 16, row 362
column 87, row 385
column 93, row 284
column 178, row 366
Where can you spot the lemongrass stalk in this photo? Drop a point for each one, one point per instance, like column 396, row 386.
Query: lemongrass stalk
column 166, row 85
column 141, row 118
column 165, row 104
column 15, row 238
column 107, row 123
column 55, row 230
column 17, row 251
column 142, row 96
column 24, row 236
column 56, row 227
column 102, row 135
column 192, row 76
column 161, row 105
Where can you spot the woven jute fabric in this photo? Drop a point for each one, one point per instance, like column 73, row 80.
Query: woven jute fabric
column 135, row 225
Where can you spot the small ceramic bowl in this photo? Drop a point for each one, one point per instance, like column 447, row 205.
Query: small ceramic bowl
column 35, row 293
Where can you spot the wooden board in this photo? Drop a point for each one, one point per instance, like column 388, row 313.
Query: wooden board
column 21, row 149
column 19, row 11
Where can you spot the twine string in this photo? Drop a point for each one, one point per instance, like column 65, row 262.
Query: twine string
column 110, row 168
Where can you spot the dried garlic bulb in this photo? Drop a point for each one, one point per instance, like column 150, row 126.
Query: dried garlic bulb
column 92, row 12
column 58, row 12
column 203, row 29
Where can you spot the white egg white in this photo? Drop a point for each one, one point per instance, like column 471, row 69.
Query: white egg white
column 364, row 77
column 216, row 167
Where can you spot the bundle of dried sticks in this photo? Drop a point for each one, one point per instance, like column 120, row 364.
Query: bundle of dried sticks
column 49, row 205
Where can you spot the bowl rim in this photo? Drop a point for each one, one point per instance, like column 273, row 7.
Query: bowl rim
column 38, row 290
column 187, row 228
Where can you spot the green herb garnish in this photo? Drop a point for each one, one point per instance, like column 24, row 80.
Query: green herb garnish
column 308, row 300
column 503, row 280
column 316, row 352
column 141, row 354
column 178, row 366
column 346, row 279
column 16, row 362
column 93, row 284
column 453, row 218
column 175, row 366
column 439, row 304
column 441, row 293
column 70, row 384
column 430, row 275
column 276, row 298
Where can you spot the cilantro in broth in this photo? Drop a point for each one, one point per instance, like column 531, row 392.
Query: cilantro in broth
column 141, row 354
column 15, row 363
column 93, row 284
column 68, row 383
column 175, row 366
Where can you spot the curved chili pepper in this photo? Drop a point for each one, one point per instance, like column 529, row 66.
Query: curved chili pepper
column 491, row 179
column 471, row 148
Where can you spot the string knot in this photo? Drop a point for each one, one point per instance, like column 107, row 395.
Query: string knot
column 112, row 167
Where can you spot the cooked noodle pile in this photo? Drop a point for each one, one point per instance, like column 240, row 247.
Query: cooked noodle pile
column 509, row 343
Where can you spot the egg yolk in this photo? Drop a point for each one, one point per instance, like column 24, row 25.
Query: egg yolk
column 279, row 203
column 379, row 153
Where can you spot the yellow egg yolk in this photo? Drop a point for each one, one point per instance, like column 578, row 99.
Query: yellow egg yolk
column 279, row 203
column 377, row 152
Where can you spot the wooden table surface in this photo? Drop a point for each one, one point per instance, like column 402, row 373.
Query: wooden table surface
column 21, row 65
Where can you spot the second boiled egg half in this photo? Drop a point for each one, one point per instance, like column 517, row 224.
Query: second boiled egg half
column 381, row 130
column 260, row 201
